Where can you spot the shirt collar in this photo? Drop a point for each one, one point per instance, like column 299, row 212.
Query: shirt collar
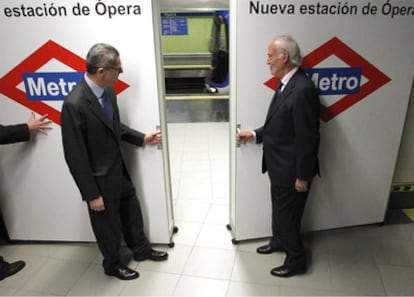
column 97, row 90
column 288, row 76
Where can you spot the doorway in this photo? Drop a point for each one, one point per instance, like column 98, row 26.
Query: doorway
column 198, row 121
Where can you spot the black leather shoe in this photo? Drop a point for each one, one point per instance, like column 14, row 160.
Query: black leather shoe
column 268, row 249
column 124, row 273
column 151, row 255
column 287, row 271
column 8, row 269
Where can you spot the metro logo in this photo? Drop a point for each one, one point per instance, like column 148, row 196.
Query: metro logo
column 336, row 81
column 343, row 81
column 50, row 85
column 47, row 52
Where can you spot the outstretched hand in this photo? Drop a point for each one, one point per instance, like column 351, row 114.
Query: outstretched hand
column 41, row 124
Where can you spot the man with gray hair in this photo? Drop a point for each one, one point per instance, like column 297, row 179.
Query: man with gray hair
column 290, row 137
column 92, row 134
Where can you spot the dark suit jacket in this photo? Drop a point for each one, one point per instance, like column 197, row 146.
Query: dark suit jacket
column 290, row 134
column 14, row 133
column 92, row 146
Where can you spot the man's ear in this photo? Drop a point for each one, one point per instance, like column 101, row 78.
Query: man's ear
column 285, row 56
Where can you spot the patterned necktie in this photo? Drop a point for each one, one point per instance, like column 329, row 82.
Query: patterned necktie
column 107, row 107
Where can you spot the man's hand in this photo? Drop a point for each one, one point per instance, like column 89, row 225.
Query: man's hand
column 245, row 136
column 153, row 138
column 97, row 204
column 39, row 125
column 301, row 185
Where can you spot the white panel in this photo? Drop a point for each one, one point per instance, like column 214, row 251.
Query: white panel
column 358, row 147
column 39, row 198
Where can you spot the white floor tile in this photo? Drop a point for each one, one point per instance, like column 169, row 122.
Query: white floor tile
column 195, row 166
column 94, row 282
column 196, row 156
column 220, row 166
column 6, row 250
column 220, row 154
column 191, row 210
column 23, row 292
column 33, row 266
column 195, row 286
column 83, row 253
column 356, row 274
column 384, row 252
column 248, row 289
column 215, row 236
column 190, row 177
column 398, row 280
column 409, row 229
column 151, row 284
column 255, row 268
column 37, row 250
column 177, row 258
column 210, row 263
column 5, row 291
column 317, row 277
column 218, row 214
column 197, row 191
column 187, row 232
column 297, row 291
column 221, row 190
column 56, row 277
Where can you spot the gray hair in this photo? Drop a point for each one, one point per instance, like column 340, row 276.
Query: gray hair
column 101, row 55
column 288, row 44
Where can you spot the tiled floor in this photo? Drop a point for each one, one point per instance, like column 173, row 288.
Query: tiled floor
column 367, row 260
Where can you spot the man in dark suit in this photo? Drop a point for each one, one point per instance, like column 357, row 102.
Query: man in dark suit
column 12, row 134
column 290, row 137
column 92, row 134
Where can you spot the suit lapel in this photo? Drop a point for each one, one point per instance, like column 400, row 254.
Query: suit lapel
column 278, row 100
column 282, row 97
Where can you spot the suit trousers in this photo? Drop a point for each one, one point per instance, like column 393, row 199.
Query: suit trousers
column 122, row 217
column 287, row 210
